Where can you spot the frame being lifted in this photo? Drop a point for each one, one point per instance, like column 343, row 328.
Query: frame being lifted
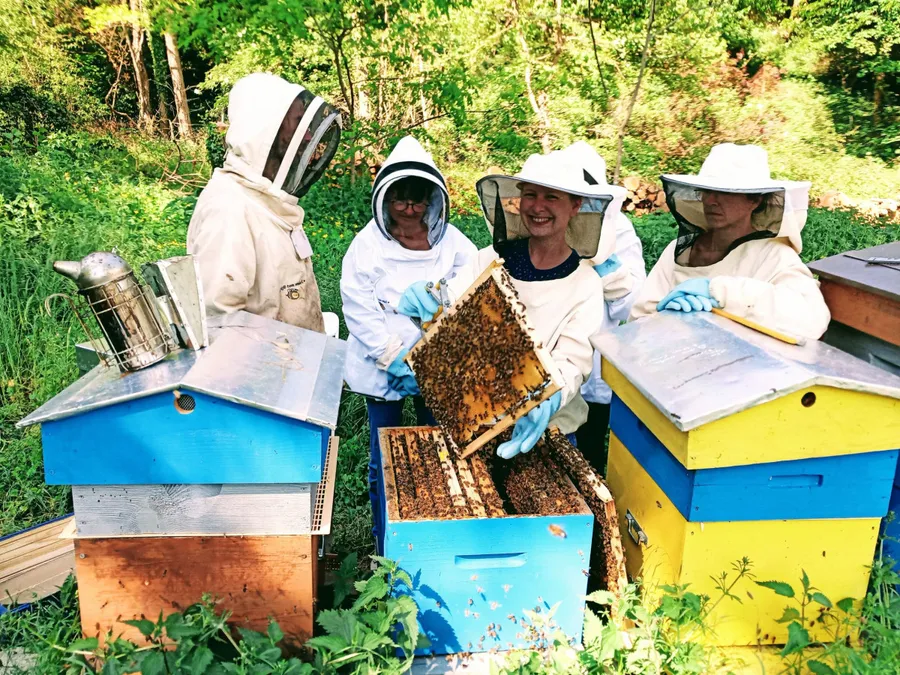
column 479, row 367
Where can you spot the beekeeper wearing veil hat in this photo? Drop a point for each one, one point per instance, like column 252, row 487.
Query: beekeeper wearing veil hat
column 247, row 228
column 738, row 246
column 549, row 227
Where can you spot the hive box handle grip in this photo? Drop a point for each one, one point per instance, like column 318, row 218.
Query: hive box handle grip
column 490, row 561
column 797, row 480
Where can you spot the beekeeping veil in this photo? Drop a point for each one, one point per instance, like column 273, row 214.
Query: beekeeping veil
column 591, row 232
column 409, row 159
column 739, row 169
column 280, row 133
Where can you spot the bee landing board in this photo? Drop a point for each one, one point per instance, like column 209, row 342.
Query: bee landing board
column 479, row 367
column 484, row 541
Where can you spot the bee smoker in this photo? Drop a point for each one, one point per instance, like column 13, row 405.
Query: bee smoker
column 125, row 310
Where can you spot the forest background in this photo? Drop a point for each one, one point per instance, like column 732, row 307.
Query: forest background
column 112, row 117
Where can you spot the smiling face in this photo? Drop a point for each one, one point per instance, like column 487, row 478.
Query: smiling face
column 723, row 209
column 546, row 212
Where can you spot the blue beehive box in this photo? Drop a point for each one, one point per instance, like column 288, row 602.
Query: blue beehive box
column 258, row 405
column 487, row 583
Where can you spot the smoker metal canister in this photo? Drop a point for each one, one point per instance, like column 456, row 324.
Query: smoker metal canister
column 122, row 307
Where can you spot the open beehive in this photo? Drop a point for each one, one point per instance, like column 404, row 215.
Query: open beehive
column 487, row 540
column 478, row 366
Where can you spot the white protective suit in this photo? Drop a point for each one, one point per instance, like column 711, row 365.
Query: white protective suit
column 247, row 230
column 377, row 269
column 620, row 288
column 762, row 278
column 563, row 312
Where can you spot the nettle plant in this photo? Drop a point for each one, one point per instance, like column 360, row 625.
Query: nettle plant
column 377, row 633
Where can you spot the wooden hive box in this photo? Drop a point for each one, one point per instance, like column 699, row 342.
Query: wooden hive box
column 34, row 563
column 268, row 572
column 478, row 366
column 477, row 570
column 727, row 444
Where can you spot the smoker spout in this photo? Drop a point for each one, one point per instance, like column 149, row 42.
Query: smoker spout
column 68, row 268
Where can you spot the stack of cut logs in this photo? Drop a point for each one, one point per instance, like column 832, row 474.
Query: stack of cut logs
column 643, row 197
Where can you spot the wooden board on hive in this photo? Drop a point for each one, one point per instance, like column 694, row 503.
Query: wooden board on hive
column 607, row 553
column 255, row 577
column 478, row 365
column 35, row 563
column 173, row 510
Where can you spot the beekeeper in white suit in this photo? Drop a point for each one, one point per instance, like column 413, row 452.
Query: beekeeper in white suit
column 247, row 228
column 623, row 274
column 409, row 239
column 549, row 227
column 738, row 246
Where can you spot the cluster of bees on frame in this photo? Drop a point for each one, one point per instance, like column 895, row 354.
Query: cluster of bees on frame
column 471, row 369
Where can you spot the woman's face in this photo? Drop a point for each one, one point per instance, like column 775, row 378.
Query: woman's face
column 727, row 208
column 406, row 212
column 546, row 212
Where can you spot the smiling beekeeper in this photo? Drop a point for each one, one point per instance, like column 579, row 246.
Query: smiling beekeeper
column 549, row 226
column 738, row 246
column 247, row 229
column 409, row 239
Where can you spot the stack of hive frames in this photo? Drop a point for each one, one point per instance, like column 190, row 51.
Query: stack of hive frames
column 478, row 366
column 473, row 574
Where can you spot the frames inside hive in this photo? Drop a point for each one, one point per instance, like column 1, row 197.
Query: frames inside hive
column 478, row 366
column 424, row 481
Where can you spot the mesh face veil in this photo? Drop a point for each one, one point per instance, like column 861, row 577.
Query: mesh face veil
column 685, row 203
column 305, row 144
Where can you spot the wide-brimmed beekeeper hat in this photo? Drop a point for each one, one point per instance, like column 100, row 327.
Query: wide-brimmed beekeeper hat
column 738, row 169
column 586, row 234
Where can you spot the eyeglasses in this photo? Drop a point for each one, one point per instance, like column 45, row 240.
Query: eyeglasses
column 403, row 204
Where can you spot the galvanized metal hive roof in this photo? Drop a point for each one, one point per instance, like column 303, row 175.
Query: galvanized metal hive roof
column 697, row 368
column 251, row 360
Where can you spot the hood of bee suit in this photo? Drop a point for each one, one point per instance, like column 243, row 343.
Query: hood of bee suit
column 591, row 233
column 741, row 169
column 407, row 159
column 269, row 117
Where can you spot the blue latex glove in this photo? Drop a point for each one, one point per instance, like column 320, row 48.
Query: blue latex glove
column 608, row 266
column 401, row 377
column 530, row 428
column 417, row 302
column 689, row 296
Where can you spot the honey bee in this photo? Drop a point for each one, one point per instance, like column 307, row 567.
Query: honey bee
column 557, row 531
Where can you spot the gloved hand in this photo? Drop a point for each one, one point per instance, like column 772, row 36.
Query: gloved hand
column 530, row 428
column 608, row 266
column 401, row 377
column 417, row 302
column 689, row 296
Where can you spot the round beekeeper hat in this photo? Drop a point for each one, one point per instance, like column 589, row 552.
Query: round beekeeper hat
column 500, row 195
column 740, row 169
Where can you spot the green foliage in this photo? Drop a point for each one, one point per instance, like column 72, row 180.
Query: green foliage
column 637, row 633
column 377, row 634
column 861, row 637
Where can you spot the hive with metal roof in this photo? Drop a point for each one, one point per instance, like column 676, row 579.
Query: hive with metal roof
column 727, row 444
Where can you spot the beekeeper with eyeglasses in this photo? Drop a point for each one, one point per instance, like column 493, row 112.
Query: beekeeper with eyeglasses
column 549, row 227
column 247, row 228
column 738, row 246
column 409, row 239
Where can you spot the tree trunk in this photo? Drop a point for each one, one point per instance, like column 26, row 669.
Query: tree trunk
column 182, row 110
column 160, row 81
column 648, row 39
column 878, row 98
column 423, row 104
column 141, row 81
column 538, row 101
